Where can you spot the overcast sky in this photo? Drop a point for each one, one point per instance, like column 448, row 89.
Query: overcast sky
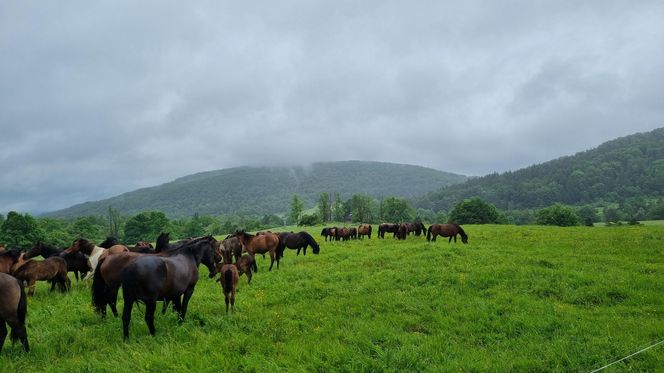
column 98, row 98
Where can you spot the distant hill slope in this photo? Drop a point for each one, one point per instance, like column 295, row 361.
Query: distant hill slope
column 263, row 190
column 631, row 166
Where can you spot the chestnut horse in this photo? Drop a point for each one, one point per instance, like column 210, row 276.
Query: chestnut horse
column 364, row 230
column 260, row 243
column 13, row 309
column 446, row 230
column 53, row 269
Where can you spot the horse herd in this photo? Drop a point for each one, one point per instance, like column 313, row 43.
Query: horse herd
column 168, row 272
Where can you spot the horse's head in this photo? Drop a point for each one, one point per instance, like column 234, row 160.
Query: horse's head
column 205, row 250
column 36, row 250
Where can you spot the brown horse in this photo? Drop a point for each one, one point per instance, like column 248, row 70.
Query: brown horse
column 229, row 279
column 387, row 227
column 13, row 309
column 53, row 269
column 297, row 241
column 230, row 246
column 364, row 230
column 343, row 234
column 446, row 230
column 329, row 232
column 107, row 278
column 260, row 243
column 8, row 259
column 245, row 265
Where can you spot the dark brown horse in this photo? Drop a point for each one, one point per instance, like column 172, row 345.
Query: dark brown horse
column 13, row 309
column 364, row 230
column 330, row 232
column 8, row 259
column 230, row 247
column 229, row 279
column 150, row 278
column 53, row 269
column 343, row 234
column 260, row 244
column 297, row 241
column 446, row 230
column 107, row 279
column 387, row 227
column 245, row 265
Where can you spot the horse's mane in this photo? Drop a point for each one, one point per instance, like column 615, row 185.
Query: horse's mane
column 108, row 242
column 13, row 253
column 461, row 231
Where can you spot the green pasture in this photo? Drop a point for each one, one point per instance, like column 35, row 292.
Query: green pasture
column 516, row 298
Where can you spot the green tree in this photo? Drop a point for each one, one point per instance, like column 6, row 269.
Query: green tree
column 361, row 207
column 55, row 232
column 397, row 210
column 476, row 211
column 113, row 222
column 656, row 211
column 146, row 226
column 89, row 227
column 324, row 207
column 588, row 215
column 338, row 209
column 20, row 230
column 309, row 220
column 194, row 227
column 557, row 214
column 297, row 207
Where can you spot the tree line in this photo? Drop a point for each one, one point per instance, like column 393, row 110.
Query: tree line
column 23, row 230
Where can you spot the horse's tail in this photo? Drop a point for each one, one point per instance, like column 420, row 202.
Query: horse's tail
column 21, row 311
column 228, row 280
column 99, row 300
column 429, row 233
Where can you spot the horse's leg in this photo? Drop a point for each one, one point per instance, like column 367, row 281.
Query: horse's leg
column 150, row 307
column 185, row 301
column 126, row 315
column 272, row 261
column 233, row 299
column 3, row 333
column 298, row 251
column 226, row 300
column 31, row 287
column 52, row 284
column 76, row 276
column 254, row 262
column 112, row 300
column 248, row 273
column 18, row 329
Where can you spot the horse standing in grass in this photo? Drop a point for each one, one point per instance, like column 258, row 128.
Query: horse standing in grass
column 230, row 247
column 387, row 227
column 150, row 278
column 446, row 230
column 76, row 262
column 329, row 232
column 13, row 309
column 297, row 241
column 53, row 269
column 229, row 279
column 260, row 243
column 364, row 230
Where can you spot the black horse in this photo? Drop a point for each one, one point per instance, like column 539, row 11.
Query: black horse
column 299, row 241
column 388, row 227
column 150, row 278
column 76, row 261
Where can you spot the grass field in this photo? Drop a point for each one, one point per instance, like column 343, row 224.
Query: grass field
column 513, row 299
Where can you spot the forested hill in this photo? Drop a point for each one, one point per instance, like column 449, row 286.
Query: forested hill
column 262, row 190
column 631, row 166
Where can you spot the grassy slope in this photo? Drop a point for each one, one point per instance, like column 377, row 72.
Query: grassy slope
column 515, row 298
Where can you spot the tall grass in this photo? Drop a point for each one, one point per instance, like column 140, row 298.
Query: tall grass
column 513, row 299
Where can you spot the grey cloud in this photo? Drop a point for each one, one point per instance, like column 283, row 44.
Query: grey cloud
column 102, row 98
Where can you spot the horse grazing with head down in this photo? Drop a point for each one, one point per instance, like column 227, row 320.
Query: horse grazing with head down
column 150, row 278
column 297, row 241
column 260, row 243
column 446, row 230
column 13, row 309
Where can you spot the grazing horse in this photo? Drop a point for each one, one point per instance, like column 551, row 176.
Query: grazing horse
column 299, row 241
column 150, row 278
column 76, row 262
column 229, row 279
column 446, row 230
column 387, row 227
column 261, row 244
column 53, row 269
column 352, row 233
column 8, row 259
column 329, row 232
column 364, row 230
column 13, row 309
column 107, row 278
column 342, row 234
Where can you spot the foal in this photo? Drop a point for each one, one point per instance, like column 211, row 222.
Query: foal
column 229, row 279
